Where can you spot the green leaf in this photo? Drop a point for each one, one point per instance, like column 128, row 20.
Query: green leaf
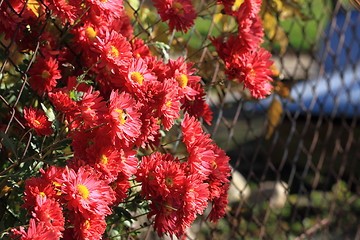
column 8, row 143
column 134, row 4
column 162, row 132
column 164, row 49
column 76, row 96
column 115, row 234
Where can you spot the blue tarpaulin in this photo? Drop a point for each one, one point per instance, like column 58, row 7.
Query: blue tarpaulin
column 337, row 91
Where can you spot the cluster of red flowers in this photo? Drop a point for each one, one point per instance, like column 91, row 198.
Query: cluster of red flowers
column 244, row 60
column 179, row 190
column 79, row 195
column 136, row 95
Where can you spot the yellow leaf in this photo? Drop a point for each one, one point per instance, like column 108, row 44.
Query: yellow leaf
column 5, row 190
column 34, row 6
column 269, row 24
column 275, row 32
column 282, row 90
column 237, row 4
column 274, row 114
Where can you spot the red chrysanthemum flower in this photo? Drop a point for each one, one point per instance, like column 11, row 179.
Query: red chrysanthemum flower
column 170, row 105
column 44, row 186
column 227, row 50
column 219, row 174
column 227, row 5
column 48, row 211
column 85, row 35
column 150, row 130
column 201, row 151
column 157, row 67
column 197, row 106
column 129, row 162
column 195, row 201
column 221, row 168
column 219, row 204
column 9, row 20
column 91, row 109
column 191, row 130
column 160, row 175
column 106, row 160
column 38, row 120
column 201, row 156
column 64, row 98
column 121, row 187
column 92, row 227
column 138, row 77
column 124, row 117
column 36, row 232
column 180, row 13
column 167, row 214
column 86, row 193
column 115, row 51
column 43, row 74
column 66, row 11
column 109, row 8
column 82, row 141
column 139, row 49
column 62, row 101
column 254, row 72
column 250, row 29
column 122, row 25
column 252, row 7
column 85, row 40
column 183, row 74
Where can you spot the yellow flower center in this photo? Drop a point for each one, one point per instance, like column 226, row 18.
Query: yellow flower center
column 87, row 224
column 83, row 191
column 179, row 7
column 252, row 73
column 57, row 185
column 42, row 194
column 37, row 122
column 45, row 74
column 214, row 164
column 123, row 158
column 114, row 52
column 182, row 80
column 90, row 33
column 168, row 104
column 122, row 115
column 104, row 159
column 137, row 77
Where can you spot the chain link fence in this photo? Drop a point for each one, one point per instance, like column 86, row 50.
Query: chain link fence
column 295, row 154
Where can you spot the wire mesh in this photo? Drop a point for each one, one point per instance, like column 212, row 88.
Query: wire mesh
column 295, row 154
